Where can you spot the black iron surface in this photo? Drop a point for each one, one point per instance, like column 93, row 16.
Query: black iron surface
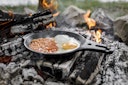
column 84, row 43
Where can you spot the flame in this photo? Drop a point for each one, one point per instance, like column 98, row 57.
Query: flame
column 97, row 36
column 56, row 14
column 90, row 22
column 50, row 25
column 50, row 4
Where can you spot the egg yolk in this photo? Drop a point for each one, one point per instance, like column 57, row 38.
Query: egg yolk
column 69, row 45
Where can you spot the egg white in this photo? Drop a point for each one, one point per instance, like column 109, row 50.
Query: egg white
column 61, row 39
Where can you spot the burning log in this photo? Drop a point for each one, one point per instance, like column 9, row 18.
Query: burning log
column 8, row 20
column 51, row 5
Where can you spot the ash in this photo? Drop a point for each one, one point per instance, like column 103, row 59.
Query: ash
column 114, row 69
column 93, row 67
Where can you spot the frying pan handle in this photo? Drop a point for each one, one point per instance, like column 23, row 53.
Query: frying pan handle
column 91, row 45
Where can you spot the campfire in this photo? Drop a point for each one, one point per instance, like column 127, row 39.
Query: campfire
column 19, row 65
column 53, row 6
column 91, row 23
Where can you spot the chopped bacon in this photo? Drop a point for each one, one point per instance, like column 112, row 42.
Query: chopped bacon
column 44, row 45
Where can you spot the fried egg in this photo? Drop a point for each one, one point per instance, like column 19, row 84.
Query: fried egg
column 66, row 43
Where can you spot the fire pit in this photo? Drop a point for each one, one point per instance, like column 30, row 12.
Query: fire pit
column 21, row 66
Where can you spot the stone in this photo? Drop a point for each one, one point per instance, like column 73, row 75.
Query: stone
column 72, row 16
column 17, row 80
column 13, row 53
column 104, row 21
column 121, row 28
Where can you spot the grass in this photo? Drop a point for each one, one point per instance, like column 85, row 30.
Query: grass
column 92, row 4
column 115, row 9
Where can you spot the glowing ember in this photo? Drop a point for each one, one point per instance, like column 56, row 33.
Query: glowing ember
column 90, row 22
column 5, row 59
